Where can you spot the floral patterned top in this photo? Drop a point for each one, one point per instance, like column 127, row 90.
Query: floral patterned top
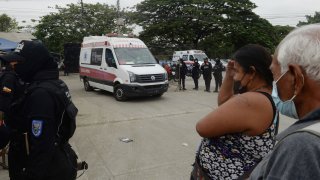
column 230, row 156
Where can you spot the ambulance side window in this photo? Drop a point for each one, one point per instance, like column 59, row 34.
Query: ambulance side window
column 96, row 56
column 110, row 59
column 191, row 58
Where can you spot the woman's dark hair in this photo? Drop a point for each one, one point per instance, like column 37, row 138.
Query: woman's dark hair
column 257, row 56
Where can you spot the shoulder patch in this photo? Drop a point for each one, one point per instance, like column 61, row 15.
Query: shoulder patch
column 36, row 128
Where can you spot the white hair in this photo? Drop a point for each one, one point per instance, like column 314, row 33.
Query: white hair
column 302, row 47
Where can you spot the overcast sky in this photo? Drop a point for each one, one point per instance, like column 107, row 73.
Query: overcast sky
column 277, row 12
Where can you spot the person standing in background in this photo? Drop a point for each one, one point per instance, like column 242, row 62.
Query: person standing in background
column 206, row 69
column 217, row 74
column 182, row 72
column 196, row 74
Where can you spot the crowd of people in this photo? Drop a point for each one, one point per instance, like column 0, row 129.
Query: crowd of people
column 206, row 70
column 239, row 138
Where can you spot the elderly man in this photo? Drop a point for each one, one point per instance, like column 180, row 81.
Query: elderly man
column 295, row 68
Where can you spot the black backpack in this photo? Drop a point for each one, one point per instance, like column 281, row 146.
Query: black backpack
column 66, row 125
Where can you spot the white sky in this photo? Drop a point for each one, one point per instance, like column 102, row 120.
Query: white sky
column 277, row 12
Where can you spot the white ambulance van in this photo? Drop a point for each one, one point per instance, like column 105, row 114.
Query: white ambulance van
column 121, row 65
column 189, row 55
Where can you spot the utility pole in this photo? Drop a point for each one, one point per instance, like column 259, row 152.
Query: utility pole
column 81, row 7
column 120, row 21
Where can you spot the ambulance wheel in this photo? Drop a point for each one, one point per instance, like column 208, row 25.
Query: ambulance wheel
column 86, row 85
column 119, row 93
column 158, row 95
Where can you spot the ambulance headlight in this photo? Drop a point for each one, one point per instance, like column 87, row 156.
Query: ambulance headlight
column 132, row 76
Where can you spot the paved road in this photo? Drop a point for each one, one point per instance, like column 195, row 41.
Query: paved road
column 162, row 129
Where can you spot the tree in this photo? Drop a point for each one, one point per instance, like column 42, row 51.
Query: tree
column 216, row 26
column 7, row 23
column 311, row 19
column 73, row 23
column 281, row 32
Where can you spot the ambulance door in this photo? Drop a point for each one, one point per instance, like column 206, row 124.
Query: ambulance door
column 110, row 69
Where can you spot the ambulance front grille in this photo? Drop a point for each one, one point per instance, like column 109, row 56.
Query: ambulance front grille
column 151, row 78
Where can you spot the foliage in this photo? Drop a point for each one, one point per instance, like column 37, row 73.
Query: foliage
column 216, row 26
column 281, row 32
column 311, row 19
column 72, row 23
column 7, row 23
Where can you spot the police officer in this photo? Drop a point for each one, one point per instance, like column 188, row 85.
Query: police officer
column 182, row 72
column 206, row 68
column 10, row 89
column 39, row 148
column 217, row 74
column 196, row 74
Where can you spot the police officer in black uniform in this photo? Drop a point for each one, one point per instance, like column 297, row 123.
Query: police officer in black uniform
column 182, row 72
column 217, row 74
column 10, row 89
column 206, row 68
column 39, row 148
column 196, row 74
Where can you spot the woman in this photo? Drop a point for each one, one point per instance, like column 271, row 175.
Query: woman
column 240, row 132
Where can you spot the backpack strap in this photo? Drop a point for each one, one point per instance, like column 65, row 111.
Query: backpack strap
column 312, row 129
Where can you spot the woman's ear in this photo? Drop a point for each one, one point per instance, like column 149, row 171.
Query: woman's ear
column 252, row 72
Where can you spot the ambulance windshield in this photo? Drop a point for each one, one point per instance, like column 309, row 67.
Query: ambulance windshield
column 200, row 57
column 130, row 56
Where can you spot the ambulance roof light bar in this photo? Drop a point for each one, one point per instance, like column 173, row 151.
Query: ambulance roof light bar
column 130, row 35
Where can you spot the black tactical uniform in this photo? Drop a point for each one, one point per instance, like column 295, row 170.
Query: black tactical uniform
column 42, row 120
column 183, row 72
column 196, row 74
column 206, row 68
column 10, row 89
column 217, row 74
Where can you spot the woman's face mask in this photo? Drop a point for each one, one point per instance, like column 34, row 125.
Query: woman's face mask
column 287, row 107
column 239, row 88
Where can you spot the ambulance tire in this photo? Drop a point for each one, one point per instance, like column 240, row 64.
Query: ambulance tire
column 119, row 94
column 86, row 85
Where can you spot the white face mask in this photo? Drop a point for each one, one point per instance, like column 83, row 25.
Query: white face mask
column 287, row 107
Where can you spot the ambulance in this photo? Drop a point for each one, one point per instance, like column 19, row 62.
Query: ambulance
column 121, row 65
column 188, row 56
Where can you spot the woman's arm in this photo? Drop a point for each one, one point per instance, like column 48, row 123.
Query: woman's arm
column 226, row 91
column 250, row 113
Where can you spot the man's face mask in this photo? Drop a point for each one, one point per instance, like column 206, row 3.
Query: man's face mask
column 287, row 107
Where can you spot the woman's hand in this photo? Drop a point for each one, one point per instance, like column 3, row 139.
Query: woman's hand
column 230, row 69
